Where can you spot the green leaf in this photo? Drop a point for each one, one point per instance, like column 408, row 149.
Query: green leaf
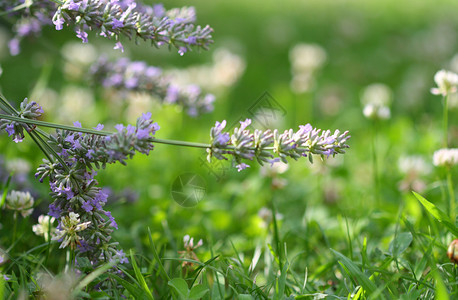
column 180, row 286
column 198, row 291
column 140, row 277
column 133, row 290
column 281, row 282
column 355, row 272
column 245, row 297
column 438, row 214
column 400, row 243
column 441, row 290
column 156, row 256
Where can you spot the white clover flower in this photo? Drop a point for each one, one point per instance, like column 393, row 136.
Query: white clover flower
column 44, row 226
column 445, row 157
column 189, row 243
column 308, row 57
column 21, row 202
column 446, row 81
column 18, row 166
column 306, row 60
column 376, row 99
column 413, row 164
column 70, row 226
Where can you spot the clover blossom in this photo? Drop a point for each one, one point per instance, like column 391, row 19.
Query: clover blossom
column 138, row 76
column 113, row 18
column 68, row 230
column 20, row 202
column 29, row 110
column 244, row 144
column 446, row 81
column 376, row 99
column 44, row 226
column 445, row 157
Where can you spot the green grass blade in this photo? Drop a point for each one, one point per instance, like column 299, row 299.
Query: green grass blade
column 156, row 256
column 438, row 214
column 355, row 272
column 140, row 277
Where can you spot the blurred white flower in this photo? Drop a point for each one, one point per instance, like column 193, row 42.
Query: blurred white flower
column 225, row 71
column 445, row 157
column 413, row 167
column 270, row 170
column 57, row 287
column 307, row 57
column 77, row 103
column 266, row 215
column 44, row 226
column 306, row 60
column 20, row 202
column 376, row 99
column 70, row 226
column 414, row 164
column 446, row 81
column 18, row 166
column 78, row 57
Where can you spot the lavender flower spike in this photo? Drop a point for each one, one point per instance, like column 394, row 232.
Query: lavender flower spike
column 112, row 19
column 29, row 110
column 138, row 76
column 244, row 144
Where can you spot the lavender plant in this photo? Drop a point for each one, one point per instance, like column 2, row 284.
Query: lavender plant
column 110, row 19
column 244, row 144
column 126, row 75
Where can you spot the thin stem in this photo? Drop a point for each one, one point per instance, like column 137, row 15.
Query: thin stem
column 451, row 194
column 374, row 162
column 96, row 132
column 445, row 120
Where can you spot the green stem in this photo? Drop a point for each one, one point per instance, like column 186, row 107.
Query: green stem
column 451, row 194
column 97, row 132
column 374, row 162
column 445, row 120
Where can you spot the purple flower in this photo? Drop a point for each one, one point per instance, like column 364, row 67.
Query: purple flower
column 117, row 24
column 130, row 129
column 191, row 40
column 82, row 35
column 13, row 45
column 77, row 124
column 112, row 220
column 68, row 191
column 119, row 46
column 242, row 166
column 90, row 154
column 244, row 125
column 87, row 206
column 54, row 211
column 142, row 134
column 119, row 127
column 10, row 129
column 182, row 50
column 146, row 116
column 99, row 127
column 73, row 6
column 59, row 22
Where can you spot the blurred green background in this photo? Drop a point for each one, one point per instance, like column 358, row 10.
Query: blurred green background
column 398, row 43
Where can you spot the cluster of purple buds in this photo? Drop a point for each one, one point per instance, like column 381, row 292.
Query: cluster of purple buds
column 244, row 144
column 29, row 110
column 32, row 16
column 74, row 189
column 138, row 76
column 113, row 18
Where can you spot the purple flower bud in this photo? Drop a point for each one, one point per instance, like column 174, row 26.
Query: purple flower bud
column 119, row 46
column 82, row 35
